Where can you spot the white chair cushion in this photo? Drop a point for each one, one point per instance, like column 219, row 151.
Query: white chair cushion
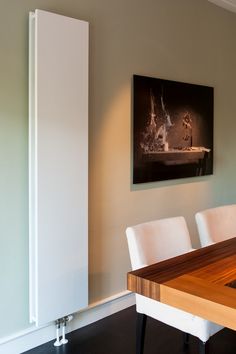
column 157, row 240
column 216, row 224
column 176, row 318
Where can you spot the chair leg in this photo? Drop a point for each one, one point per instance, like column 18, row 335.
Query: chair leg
column 186, row 340
column 140, row 332
column 203, row 347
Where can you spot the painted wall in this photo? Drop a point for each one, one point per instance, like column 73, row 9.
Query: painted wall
column 185, row 40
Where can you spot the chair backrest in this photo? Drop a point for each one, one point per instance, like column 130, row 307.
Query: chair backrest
column 216, row 224
column 155, row 241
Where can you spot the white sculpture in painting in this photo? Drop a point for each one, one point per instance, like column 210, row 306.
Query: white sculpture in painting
column 155, row 136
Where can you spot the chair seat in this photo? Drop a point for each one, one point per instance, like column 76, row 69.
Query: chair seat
column 179, row 319
column 152, row 242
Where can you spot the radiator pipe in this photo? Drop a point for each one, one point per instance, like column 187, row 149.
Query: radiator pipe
column 57, row 343
column 63, row 339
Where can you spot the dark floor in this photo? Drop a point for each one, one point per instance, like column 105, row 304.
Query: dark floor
column 116, row 335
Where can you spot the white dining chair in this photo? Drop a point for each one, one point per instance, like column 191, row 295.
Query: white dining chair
column 216, row 224
column 153, row 242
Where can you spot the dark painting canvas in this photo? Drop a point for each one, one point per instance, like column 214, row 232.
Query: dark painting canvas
column 172, row 129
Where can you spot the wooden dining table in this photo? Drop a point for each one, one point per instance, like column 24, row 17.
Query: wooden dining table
column 201, row 282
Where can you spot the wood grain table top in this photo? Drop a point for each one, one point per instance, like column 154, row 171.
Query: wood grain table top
column 195, row 282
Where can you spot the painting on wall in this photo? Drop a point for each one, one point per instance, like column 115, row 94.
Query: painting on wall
column 172, row 129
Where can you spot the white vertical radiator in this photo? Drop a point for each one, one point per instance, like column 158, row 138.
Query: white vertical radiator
column 58, row 166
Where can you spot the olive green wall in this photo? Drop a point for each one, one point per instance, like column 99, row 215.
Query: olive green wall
column 184, row 40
